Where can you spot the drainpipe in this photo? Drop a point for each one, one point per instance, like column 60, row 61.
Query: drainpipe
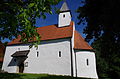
column 71, row 57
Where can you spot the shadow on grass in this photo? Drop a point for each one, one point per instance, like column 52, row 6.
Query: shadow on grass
column 58, row 77
column 33, row 76
column 10, row 76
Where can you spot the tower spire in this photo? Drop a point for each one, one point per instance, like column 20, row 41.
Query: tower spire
column 64, row 7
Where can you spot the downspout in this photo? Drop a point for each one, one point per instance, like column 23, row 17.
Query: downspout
column 71, row 57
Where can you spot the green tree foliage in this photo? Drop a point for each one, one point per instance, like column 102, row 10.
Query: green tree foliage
column 18, row 17
column 102, row 17
column 108, row 65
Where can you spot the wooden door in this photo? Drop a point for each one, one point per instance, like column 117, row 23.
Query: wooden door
column 21, row 67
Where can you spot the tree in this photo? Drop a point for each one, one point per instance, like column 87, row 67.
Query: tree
column 102, row 19
column 18, row 17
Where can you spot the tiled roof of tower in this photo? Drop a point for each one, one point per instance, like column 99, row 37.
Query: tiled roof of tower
column 80, row 43
column 54, row 32
column 64, row 7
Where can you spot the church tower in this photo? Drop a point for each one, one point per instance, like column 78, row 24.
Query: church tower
column 64, row 16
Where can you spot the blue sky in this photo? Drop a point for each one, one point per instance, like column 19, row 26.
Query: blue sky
column 53, row 18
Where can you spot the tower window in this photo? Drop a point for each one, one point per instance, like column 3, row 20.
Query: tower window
column 37, row 53
column 59, row 53
column 63, row 15
column 87, row 62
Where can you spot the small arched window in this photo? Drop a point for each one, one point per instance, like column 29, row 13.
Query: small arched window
column 59, row 53
column 37, row 53
column 63, row 15
column 87, row 62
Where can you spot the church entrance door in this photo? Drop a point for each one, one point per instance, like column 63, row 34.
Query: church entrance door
column 21, row 67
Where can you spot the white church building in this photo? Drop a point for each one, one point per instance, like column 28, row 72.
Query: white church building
column 62, row 51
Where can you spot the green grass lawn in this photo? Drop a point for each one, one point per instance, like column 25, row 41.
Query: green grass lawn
column 33, row 76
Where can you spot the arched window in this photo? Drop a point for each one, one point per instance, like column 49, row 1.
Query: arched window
column 59, row 53
column 63, row 15
column 87, row 62
column 37, row 53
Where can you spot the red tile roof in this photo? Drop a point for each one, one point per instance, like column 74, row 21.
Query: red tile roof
column 50, row 32
column 2, row 48
column 54, row 32
column 80, row 43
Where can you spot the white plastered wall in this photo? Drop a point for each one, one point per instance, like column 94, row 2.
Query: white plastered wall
column 48, row 60
column 84, row 69
column 64, row 21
